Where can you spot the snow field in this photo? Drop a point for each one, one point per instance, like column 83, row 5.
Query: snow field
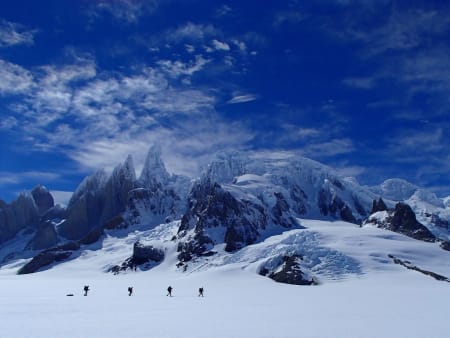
column 362, row 293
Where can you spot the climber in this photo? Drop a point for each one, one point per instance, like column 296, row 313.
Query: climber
column 169, row 291
column 200, row 292
column 86, row 289
column 130, row 290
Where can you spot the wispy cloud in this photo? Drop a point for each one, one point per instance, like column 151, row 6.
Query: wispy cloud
column 191, row 32
column 179, row 68
column 219, row 45
column 12, row 34
column 242, row 98
column 10, row 178
column 329, row 148
column 224, row 10
column 128, row 11
column 96, row 118
column 13, row 78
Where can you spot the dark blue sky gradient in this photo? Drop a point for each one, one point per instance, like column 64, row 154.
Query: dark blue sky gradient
column 359, row 85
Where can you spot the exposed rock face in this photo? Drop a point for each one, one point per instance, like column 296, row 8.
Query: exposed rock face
column 154, row 203
column 145, row 253
column 144, row 256
column 300, row 200
column 45, row 236
column 14, row 217
column 55, row 213
column 93, row 236
column 43, row 199
column 115, row 192
column 85, row 207
column 288, row 271
column 48, row 257
column 403, row 220
column 378, row 205
column 330, row 204
column 216, row 216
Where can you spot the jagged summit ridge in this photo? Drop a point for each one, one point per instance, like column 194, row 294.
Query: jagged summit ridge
column 239, row 199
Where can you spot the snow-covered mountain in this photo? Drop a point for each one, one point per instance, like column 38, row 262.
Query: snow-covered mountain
column 239, row 200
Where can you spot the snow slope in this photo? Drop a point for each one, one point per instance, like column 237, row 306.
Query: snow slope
column 362, row 293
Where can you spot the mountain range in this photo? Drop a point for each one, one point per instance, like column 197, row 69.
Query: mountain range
column 239, row 200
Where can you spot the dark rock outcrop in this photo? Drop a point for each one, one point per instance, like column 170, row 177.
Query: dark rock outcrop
column 445, row 245
column 212, row 209
column 288, row 271
column 145, row 253
column 216, row 216
column 403, row 220
column 93, row 236
column 144, row 256
column 48, row 257
column 410, row 266
column 43, row 199
column 300, row 200
column 378, row 205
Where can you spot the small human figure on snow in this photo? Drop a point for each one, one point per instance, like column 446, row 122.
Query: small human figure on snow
column 200, row 292
column 86, row 289
column 130, row 290
column 169, row 291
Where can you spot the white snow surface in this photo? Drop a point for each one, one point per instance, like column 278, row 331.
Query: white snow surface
column 362, row 293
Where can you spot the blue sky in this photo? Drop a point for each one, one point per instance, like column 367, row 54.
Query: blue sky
column 362, row 86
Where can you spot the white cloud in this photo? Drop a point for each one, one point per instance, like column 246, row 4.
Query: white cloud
column 8, row 122
column 189, row 48
column 13, row 78
column 179, row 68
column 242, row 98
column 329, row 148
column 223, row 10
column 240, row 44
column 10, row 178
column 309, row 132
column 351, row 171
column 219, row 45
column 15, row 34
column 191, row 32
column 128, row 11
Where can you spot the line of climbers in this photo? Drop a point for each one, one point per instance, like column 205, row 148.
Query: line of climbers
column 130, row 291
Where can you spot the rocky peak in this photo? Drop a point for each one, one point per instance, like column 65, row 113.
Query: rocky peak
column 378, row 205
column 43, row 199
column 402, row 219
column 91, row 185
column 154, row 170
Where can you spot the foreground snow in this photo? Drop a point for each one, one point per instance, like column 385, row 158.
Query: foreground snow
column 362, row 293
